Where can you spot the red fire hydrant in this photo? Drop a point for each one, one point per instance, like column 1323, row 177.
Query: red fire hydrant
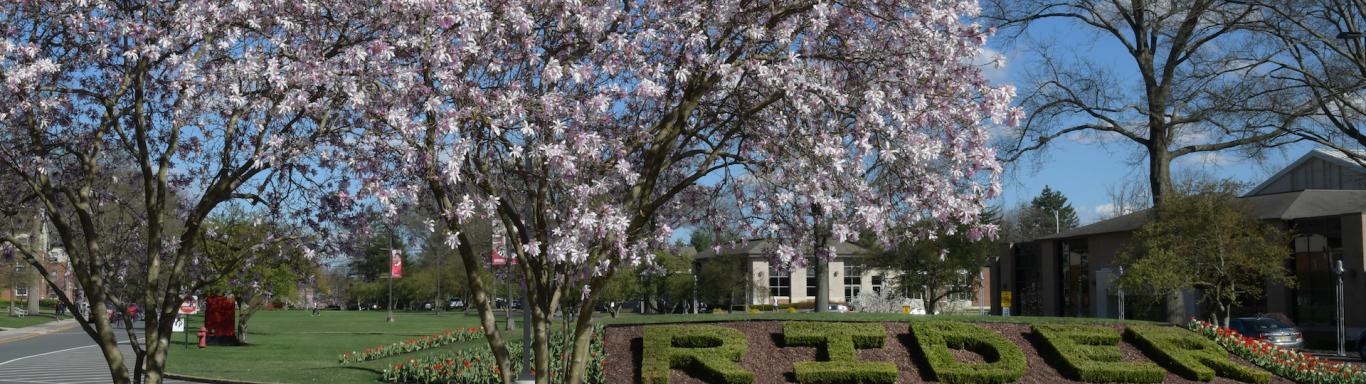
column 203, row 337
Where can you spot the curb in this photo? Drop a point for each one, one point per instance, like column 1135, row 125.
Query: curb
column 210, row 380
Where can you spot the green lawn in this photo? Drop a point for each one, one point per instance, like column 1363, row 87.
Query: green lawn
column 7, row 322
column 295, row 347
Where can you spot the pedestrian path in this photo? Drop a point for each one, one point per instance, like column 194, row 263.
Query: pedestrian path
column 80, row 365
column 36, row 330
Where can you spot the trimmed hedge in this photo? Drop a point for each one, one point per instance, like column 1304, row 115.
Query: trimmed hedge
column 841, row 341
column 1092, row 354
column 1190, row 355
column 1006, row 363
column 710, row 350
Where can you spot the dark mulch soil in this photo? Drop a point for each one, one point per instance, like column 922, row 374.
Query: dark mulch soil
column 771, row 362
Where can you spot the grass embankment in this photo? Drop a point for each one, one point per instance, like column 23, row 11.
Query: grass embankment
column 10, row 322
column 296, row 347
column 852, row 317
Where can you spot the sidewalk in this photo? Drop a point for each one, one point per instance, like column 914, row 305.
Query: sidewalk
column 36, row 330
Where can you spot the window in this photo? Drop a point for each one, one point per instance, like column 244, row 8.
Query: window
column 811, row 280
column 963, row 287
column 853, row 281
column 21, row 292
column 779, row 283
column 877, row 284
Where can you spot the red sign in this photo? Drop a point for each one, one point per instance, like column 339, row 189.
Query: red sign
column 396, row 264
column 220, row 318
column 189, row 308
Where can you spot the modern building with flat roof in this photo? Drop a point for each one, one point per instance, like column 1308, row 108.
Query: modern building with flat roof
column 1321, row 197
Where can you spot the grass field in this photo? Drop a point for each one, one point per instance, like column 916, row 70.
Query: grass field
column 296, row 347
column 7, row 322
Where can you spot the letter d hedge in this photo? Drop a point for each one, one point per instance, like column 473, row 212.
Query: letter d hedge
column 1005, row 362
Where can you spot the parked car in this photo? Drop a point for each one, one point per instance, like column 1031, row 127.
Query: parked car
column 456, row 304
column 840, row 308
column 1269, row 330
column 1361, row 345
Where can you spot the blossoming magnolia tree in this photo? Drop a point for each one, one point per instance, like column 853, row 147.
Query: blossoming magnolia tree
column 131, row 123
column 584, row 127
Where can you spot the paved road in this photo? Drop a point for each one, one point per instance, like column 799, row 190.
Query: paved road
column 67, row 357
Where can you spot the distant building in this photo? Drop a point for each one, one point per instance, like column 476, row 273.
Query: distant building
column 1321, row 197
column 849, row 276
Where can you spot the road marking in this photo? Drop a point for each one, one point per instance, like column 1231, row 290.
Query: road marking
column 46, row 353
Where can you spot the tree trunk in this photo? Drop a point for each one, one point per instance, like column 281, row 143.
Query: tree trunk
column 1159, row 172
column 541, row 331
column 583, row 335
column 38, row 243
column 822, row 263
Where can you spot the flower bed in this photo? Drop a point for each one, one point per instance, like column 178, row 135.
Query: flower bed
column 1286, row 363
column 411, row 345
column 477, row 366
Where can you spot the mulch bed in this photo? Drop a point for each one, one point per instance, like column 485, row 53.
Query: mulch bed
column 772, row 363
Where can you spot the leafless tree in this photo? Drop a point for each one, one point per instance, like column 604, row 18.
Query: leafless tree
column 1194, row 68
column 1321, row 70
column 1126, row 196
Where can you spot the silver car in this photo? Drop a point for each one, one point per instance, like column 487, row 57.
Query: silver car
column 1269, row 330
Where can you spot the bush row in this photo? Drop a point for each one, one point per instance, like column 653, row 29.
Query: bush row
column 411, row 345
column 840, row 342
column 1006, row 363
column 1188, row 355
column 711, row 351
column 1092, row 354
column 477, row 366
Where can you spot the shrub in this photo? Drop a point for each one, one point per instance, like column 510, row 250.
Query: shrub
column 710, row 350
column 1005, row 362
column 840, row 341
column 1189, row 354
column 1091, row 354
column 476, row 365
column 1287, row 363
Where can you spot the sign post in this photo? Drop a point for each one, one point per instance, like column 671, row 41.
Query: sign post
column 395, row 271
column 1005, row 303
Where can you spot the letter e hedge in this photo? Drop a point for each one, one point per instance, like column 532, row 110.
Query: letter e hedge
column 1092, row 354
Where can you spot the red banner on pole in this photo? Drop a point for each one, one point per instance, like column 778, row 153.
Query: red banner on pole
column 396, row 264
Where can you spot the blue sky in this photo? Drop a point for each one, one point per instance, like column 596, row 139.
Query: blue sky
column 1084, row 168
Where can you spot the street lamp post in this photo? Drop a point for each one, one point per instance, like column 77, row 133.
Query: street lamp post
column 1342, row 332
column 1121, row 294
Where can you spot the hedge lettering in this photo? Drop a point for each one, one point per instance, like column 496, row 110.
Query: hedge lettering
column 1190, row 355
column 709, row 350
column 840, row 341
column 1005, row 362
column 1092, row 354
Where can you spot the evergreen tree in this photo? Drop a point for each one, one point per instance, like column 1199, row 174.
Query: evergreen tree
column 1038, row 219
